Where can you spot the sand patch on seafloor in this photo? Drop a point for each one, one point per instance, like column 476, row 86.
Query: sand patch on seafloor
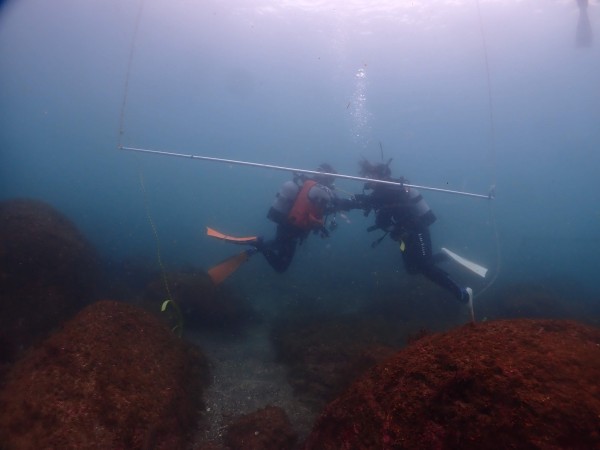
column 244, row 378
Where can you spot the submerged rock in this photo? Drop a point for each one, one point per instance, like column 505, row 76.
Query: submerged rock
column 504, row 384
column 114, row 377
column 47, row 270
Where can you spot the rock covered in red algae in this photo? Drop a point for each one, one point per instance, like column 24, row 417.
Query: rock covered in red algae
column 115, row 377
column 47, row 268
column 268, row 428
column 504, row 384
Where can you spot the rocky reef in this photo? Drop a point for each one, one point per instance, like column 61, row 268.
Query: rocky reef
column 502, row 384
column 114, row 377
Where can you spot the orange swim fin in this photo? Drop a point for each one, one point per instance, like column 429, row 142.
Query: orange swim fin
column 235, row 240
column 221, row 271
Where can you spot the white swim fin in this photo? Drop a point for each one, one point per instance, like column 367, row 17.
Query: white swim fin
column 475, row 268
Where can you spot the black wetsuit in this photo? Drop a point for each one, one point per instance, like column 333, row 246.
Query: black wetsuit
column 406, row 217
column 280, row 251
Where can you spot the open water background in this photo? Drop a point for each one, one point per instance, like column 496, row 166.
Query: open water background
column 297, row 83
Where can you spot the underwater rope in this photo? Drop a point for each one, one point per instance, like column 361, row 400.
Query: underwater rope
column 492, row 152
column 128, row 72
column 178, row 328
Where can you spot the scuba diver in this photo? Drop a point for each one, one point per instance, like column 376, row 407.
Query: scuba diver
column 402, row 213
column 301, row 206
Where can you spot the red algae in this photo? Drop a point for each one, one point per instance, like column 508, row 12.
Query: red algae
column 115, row 377
column 47, row 273
column 504, row 384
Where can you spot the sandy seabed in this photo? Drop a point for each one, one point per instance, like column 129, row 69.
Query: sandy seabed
column 245, row 377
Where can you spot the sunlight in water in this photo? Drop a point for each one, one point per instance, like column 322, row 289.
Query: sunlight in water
column 392, row 9
column 404, row 10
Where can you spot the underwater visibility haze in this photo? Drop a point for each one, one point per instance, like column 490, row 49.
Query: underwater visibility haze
column 480, row 96
column 461, row 95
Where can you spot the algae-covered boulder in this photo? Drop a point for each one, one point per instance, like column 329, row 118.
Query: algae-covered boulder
column 504, row 384
column 47, row 270
column 114, row 377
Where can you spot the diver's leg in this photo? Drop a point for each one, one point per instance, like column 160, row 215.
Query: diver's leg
column 418, row 257
column 279, row 252
column 417, row 250
column 441, row 278
column 440, row 257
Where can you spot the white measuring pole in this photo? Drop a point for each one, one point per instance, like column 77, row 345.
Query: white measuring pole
column 490, row 196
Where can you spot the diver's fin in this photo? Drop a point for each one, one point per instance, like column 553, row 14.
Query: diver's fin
column 475, row 268
column 235, row 240
column 221, row 271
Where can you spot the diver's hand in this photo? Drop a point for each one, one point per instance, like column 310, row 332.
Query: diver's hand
column 333, row 224
column 323, row 232
column 342, row 204
column 362, row 201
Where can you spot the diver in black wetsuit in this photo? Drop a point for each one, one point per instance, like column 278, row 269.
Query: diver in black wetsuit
column 402, row 213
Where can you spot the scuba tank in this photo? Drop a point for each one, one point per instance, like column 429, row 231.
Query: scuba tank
column 421, row 211
column 284, row 201
column 400, row 207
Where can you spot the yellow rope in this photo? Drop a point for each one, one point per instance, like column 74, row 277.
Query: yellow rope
column 178, row 329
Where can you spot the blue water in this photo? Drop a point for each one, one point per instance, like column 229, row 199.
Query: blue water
column 297, row 83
